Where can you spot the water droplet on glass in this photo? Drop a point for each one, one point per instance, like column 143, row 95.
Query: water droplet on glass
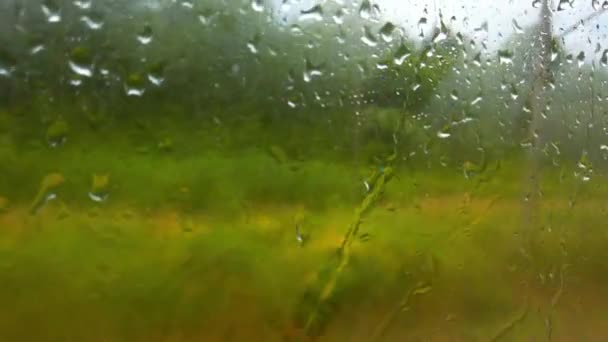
column 135, row 85
column 82, row 70
column 454, row 95
column 563, row 3
column 516, row 27
column 477, row 99
column 444, row 134
column 83, row 4
column 381, row 65
column 505, row 57
column 536, row 3
column 99, row 188
column 402, row 53
column 36, row 48
column 580, row 58
column 57, row 132
column 338, row 17
column 156, row 74
column 81, row 61
column 51, row 11
column 311, row 71
column 7, row 64
column 604, row 59
column 477, row 59
column 75, row 81
column 368, row 37
column 145, row 36
column 315, row 13
column 514, row 93
column 252, row 45
column 441, row 34
column 604, row 149
column 365, row 10
column 94, row 22
column 187, row 4
column 483, row 28
column 257, row 5
column 386, row 32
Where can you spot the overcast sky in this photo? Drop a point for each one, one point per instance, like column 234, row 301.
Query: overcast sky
column 501, row 17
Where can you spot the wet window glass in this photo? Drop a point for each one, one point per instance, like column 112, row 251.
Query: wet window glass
column 303, row 170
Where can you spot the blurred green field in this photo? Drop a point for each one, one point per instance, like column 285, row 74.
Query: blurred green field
column 193, row 236
column 205, row 249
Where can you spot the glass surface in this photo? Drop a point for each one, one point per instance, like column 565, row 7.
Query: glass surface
column 299, row 170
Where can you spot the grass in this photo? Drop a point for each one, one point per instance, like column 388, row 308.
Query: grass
column 197, row 238
column 126, row 274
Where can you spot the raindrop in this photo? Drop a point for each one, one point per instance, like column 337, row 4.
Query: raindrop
column 35, row 49
column 76, row 81
column 536, row 3
column 83, row 4
column 477, row 59
column 338, row 17
column 477, row 99
column 444, row 133
column 7, row 64
column 99, row 188
column 604, row 59
column 80, row 69
column 514, row 94
column 135, row 85
column 187, row 4
column 94, row 22
column 554, row 52
column 585, row 167
column 381, row 66
column 311, row 71
column 257, row 5
column 454, row 95
column 604, row 149
column 156, row 74
column 580, row 59
column 252, row 45
column 80, row 61
column 145, row 36
column 51, row 11
column 422, row 21
column 563, row 3
column 441, row 34
column 595, row 4
column 368, row 37
column 365, row 10
column 401, row 54
column 314, row 13
column 516, row 27
column 205, row 16
column 505, row 57
column 57, row 132
column 386, row 32
column 482, row 28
